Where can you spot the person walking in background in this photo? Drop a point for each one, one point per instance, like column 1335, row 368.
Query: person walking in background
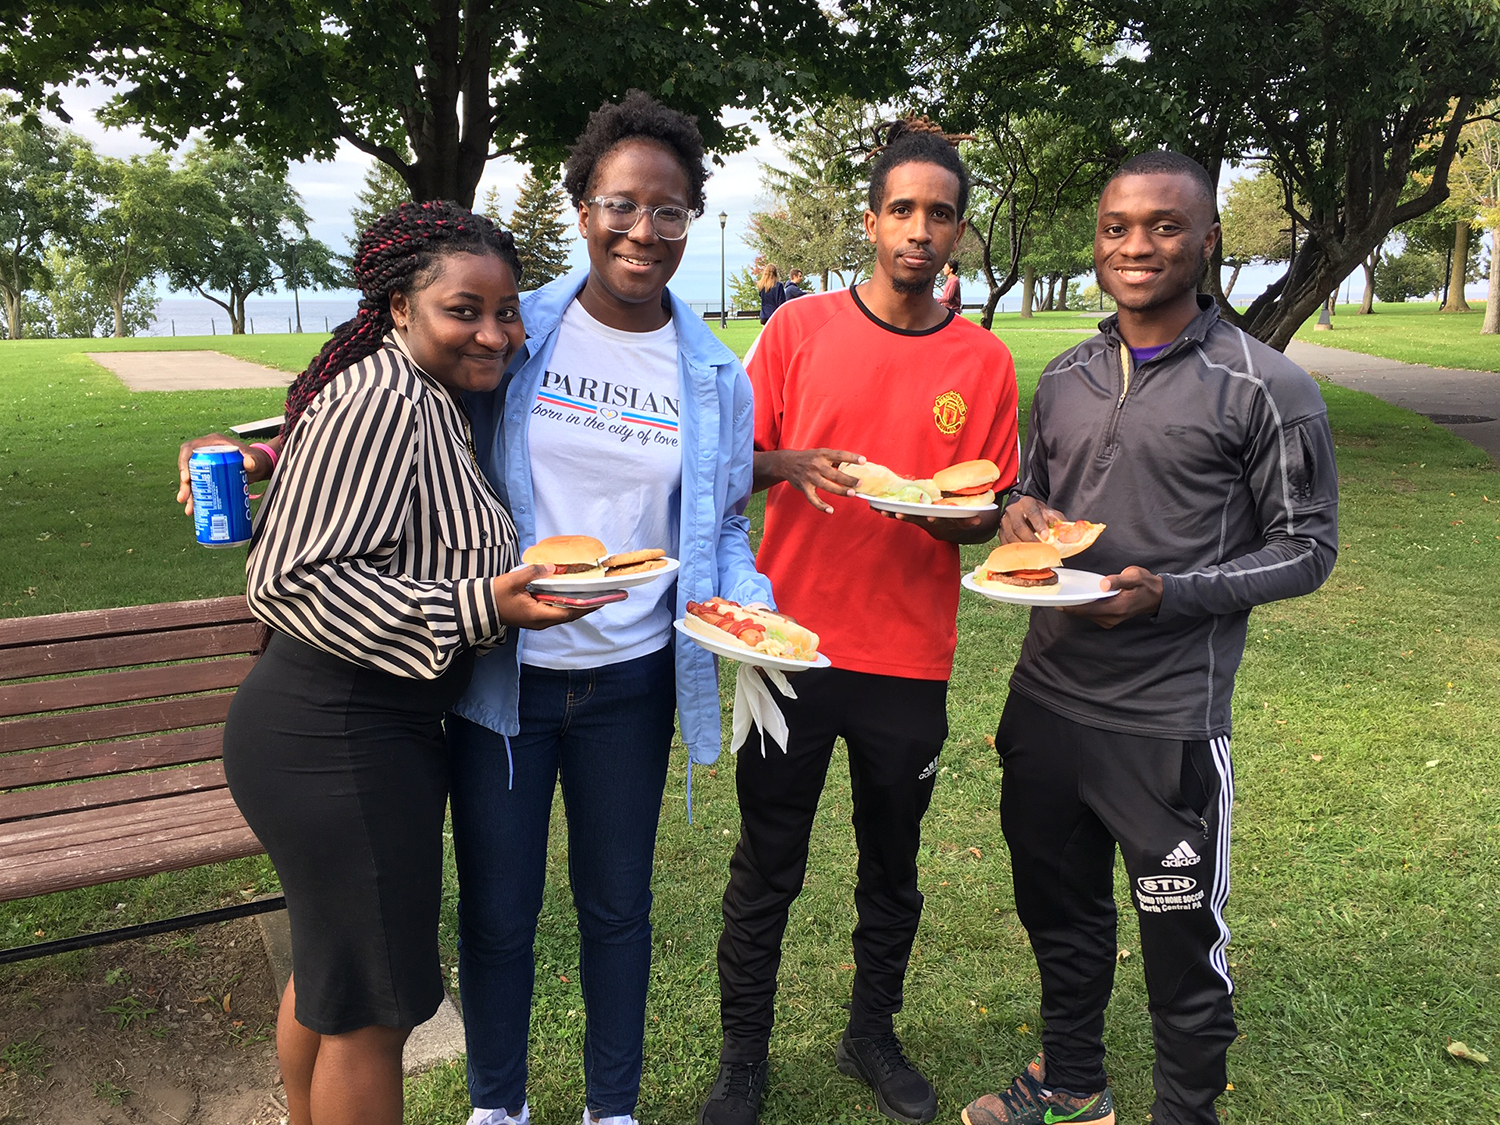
column 772, row 295
column 374, row 562
column 879, row 370
column 1209, row 456
column 952, row 299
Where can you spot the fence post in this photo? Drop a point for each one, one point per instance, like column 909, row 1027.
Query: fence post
column 252, row 326
column 325, row 324
column 213, row 327
column 288, row 326
column 174, row 327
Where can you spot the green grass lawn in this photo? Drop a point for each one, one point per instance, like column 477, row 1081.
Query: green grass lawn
column 1414, row 333
column 1366, row 867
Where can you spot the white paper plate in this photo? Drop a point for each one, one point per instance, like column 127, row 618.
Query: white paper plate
column 596, row 583
column 941, row 511
column 731, row 651
column 1074, row 587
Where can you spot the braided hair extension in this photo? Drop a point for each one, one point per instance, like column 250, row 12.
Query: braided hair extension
column 916, row 139
column 398, row 254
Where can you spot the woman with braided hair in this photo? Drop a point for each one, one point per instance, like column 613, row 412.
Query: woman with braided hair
column 383, row 562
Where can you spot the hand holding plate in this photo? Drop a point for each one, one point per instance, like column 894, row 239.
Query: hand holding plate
column 1139, row 592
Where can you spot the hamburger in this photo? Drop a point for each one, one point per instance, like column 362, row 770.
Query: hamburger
column 969, row 484
column 634, row 562
column 1019, row 564
column 576, row 556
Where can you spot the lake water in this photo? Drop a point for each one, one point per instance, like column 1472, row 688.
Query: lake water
column 196, row 316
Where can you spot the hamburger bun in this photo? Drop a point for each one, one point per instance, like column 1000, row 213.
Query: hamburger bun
column 967, row 475
column 630, row 558
column 642, row 567
column 572, row 556
column 1020, row 564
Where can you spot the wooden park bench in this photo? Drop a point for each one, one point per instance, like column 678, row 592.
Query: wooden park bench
column 111, row 748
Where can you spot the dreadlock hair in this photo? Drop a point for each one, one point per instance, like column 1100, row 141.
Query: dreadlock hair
column 917, row 140
column 398, row 254
column 1163, row 161
column 636, row 116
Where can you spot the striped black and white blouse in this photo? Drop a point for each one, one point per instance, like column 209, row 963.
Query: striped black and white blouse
column 378, row 536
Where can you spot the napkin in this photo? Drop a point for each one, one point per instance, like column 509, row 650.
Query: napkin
column 755, row 703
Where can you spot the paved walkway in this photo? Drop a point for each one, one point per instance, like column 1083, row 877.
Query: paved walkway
column 188, row 371
column 1452, row 398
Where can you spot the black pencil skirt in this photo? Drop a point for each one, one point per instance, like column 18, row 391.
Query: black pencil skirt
column 342, row 773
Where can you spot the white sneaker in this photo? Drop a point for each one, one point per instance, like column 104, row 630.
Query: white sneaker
column 618, row 1119
column 501, row 1117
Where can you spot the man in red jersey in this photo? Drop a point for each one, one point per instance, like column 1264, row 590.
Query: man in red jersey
column 881, row 372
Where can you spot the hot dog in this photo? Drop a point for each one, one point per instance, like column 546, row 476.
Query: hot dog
column 759, row 630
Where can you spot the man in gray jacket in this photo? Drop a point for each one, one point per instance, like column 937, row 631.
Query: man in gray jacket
column 1209, row 456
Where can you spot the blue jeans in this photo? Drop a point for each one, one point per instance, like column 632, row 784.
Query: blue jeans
column 606, row 732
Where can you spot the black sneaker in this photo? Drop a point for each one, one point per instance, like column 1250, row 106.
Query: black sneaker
column 900, row 1090
column 735, row 1097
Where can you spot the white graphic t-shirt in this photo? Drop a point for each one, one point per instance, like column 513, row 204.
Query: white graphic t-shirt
column 606, row 462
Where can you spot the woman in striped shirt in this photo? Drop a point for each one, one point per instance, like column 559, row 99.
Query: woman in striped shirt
column 382, row 561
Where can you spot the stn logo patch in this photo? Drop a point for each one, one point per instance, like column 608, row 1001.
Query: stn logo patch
column 949, row 410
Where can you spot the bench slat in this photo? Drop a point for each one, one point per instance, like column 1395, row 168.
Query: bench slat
column 17, row 632
column 113, row 722
column 32, row 803
column 121, row 652
column 102, row 845
column 119, row 687
column 73, row 763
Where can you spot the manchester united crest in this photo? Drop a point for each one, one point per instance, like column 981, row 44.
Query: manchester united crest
column 949, row 410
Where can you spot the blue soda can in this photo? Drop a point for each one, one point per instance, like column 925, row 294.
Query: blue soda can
column 221, row 496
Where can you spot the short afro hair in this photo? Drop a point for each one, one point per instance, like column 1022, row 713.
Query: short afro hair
column 636, row 116
column 908, row 143
column 1165, row 162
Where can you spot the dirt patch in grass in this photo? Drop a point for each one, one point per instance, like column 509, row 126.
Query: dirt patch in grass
column 175, row 1030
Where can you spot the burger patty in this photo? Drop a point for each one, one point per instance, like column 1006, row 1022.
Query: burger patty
column 573, row 568
column 1023, row 577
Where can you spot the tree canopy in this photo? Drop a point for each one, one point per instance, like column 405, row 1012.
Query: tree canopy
column 242, row 231
column 433, row 88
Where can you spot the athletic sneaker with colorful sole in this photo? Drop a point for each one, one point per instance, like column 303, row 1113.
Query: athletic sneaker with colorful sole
column 1029, row 1102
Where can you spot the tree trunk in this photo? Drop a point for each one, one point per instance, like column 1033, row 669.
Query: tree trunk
column 987, row 316
column 1458, row 269
column 1047, row 301
column 1028, row 290
column 1234, row 276
column 1062, row 294
column 1491, row 326
column 117, row 302
column 1367, row 305
column 13, row 314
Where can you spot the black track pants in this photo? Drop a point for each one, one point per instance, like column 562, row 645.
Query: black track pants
column 1071, row 793
column 894, row 728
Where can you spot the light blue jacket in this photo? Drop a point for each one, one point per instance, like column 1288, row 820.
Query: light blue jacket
column 717, row 435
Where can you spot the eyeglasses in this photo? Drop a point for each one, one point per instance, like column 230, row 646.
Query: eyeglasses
column 621, row 215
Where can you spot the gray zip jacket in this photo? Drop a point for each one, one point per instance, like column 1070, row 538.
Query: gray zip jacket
column 1212, row 465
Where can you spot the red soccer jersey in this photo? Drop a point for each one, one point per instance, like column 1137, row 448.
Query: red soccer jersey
column 882, row 595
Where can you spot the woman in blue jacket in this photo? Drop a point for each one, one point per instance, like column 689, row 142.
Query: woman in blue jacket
column 627, row 420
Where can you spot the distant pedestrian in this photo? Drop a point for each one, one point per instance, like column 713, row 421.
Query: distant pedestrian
column 772, row 295
column 793, row 286
column 951, row 298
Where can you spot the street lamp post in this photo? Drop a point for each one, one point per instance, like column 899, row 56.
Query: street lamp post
column 296, row 299
column 723, row 303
